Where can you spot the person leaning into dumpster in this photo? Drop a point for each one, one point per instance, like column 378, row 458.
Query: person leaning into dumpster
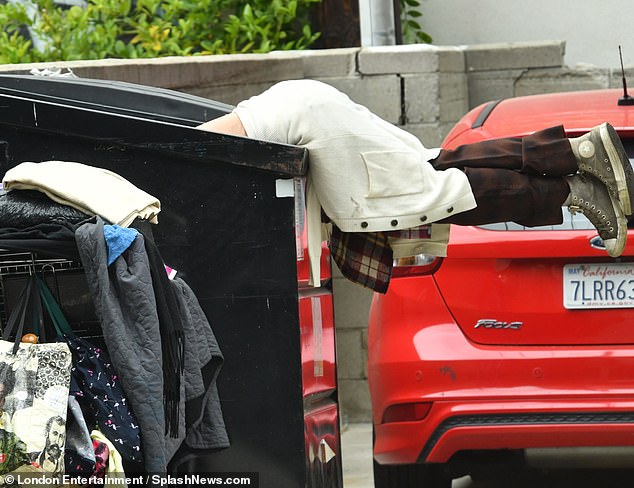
column 380, row 188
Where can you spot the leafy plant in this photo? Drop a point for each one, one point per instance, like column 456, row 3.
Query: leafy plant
column 410, row 25
column 154, row 28
column 14, row 48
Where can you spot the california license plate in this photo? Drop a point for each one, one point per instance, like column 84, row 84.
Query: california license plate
column 599, row 285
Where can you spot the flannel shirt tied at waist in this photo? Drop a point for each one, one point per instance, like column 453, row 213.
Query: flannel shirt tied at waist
column 366, row 258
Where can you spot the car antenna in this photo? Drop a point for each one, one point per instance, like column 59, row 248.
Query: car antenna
column 625, row 99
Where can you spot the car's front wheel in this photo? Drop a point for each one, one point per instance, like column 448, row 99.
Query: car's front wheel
column 410, row 476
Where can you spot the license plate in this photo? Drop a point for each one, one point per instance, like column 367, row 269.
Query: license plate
column 599, row 285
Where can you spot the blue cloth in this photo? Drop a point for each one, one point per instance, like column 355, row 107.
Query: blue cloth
column 118, row 239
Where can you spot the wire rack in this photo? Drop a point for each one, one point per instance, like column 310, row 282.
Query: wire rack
column 15, row 265
column 12, row 262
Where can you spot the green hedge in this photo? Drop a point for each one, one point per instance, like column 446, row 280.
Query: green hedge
column 154, row 28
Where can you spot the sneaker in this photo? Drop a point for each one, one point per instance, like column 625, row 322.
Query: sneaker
column 600, row 153
column 591, row 198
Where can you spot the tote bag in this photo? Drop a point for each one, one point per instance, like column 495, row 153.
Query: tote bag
column 96, row 385
column 34, row 386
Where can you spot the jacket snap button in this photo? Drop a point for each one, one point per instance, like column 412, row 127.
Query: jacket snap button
column 394, row 223
column 423, row 218
column 364, row 224
column 450, row 209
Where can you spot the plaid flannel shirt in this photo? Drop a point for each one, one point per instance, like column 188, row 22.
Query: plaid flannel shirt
column 366, row 258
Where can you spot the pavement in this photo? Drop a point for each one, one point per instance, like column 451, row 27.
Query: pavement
column 356, row 445
column 356, row 451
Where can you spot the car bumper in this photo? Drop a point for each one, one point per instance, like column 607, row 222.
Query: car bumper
column 448, row 429
column 490, row 397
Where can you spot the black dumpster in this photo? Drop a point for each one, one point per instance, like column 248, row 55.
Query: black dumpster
column 231, row 224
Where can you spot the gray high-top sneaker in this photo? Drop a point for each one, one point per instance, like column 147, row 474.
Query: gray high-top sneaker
column 591, row 198
column 600, row 153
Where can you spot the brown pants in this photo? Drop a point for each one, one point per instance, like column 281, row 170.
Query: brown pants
column 514, row 179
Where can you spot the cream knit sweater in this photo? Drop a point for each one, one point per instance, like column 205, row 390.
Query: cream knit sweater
column 95, row 191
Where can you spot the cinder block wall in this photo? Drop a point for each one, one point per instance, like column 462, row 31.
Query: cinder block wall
column 424, row 89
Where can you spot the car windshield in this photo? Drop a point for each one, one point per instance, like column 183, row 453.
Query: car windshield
column 578, row 221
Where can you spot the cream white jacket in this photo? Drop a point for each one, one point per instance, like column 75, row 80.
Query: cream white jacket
column 367, row 174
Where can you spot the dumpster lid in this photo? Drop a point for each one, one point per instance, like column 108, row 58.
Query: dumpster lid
column 110, row 126
column 118, row 97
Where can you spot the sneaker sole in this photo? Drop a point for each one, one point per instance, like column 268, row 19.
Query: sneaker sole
column 619, row 158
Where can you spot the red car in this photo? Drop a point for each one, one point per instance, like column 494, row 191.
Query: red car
column 516, row 346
